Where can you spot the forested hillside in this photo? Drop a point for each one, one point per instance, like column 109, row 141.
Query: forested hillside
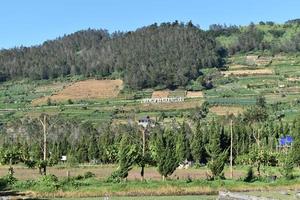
column 165, row 55
column 169, row 55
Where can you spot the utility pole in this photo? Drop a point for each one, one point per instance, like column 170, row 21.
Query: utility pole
column 143, row 153
column 44, row 124
column 231, row 144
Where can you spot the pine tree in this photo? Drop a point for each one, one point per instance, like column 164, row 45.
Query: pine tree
column 182, row 144
column 128, row 154
column 93, row 151
column 217, row 157
column 197, row 146
column 165, row 149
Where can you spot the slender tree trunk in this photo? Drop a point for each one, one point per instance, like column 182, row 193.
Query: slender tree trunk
column 143, row 155
column 44, row 124
column 231, row 144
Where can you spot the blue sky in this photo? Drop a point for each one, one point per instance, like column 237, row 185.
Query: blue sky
column 30, row 22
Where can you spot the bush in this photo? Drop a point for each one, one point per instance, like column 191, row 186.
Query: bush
column 48, row 183
column 250, row 175
column 9, row 179
column 287, row 167
column 89, row 175
column 49, row 178
column 25, row 185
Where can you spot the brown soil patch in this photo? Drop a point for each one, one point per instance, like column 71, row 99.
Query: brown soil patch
column 247, row 72
column 226, row 110
column 161, row 94
column 191, row 94
column 293, row 79
column 89, row 89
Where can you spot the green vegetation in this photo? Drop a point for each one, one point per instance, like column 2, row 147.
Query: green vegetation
column 252, row 71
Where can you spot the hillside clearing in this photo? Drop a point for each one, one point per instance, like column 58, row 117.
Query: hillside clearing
column 89, row 89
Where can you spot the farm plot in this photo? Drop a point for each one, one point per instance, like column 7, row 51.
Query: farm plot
column 89, row 89
column 191, row 94
column 247, row 72
column 161, row 94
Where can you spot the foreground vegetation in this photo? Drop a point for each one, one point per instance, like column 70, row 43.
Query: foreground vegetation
column 86, row 185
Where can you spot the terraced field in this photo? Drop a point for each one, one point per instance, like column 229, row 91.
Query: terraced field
column 101, row 100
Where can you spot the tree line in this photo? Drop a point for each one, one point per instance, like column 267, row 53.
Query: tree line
column 166, row 55
column 264, row 36
column 205, row 142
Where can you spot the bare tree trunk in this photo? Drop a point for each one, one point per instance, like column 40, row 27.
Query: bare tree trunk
column 43, row 122
column 143, row 154
column 231, row 144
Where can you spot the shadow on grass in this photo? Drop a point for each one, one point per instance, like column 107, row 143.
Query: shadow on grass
column 6, row 191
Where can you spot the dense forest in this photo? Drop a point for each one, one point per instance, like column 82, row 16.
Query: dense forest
column 165, row 55
column 170, row 54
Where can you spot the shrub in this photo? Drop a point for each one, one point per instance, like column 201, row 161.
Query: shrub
column 48, row 183
column 89, row 175
column 250, row 175
column 9, row 179
column 49, row 178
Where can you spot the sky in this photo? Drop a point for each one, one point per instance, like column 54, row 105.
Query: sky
column 31, row 22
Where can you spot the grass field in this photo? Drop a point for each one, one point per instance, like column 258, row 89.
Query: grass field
column 102, row 172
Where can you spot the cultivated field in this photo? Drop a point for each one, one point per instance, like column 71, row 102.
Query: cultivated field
column 89, row 89
column 191, row 94
column 248, row 72
column 161, row 94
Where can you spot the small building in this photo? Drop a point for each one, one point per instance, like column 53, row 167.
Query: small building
column 145, row 122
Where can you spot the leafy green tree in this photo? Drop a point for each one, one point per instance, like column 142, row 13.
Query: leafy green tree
column 200, row 112
column 295, row 152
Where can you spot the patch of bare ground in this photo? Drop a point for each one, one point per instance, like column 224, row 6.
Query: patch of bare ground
column 160, row 94
column 247, row 72
column 196, row 94
column 293, row 79
column 88, row 89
